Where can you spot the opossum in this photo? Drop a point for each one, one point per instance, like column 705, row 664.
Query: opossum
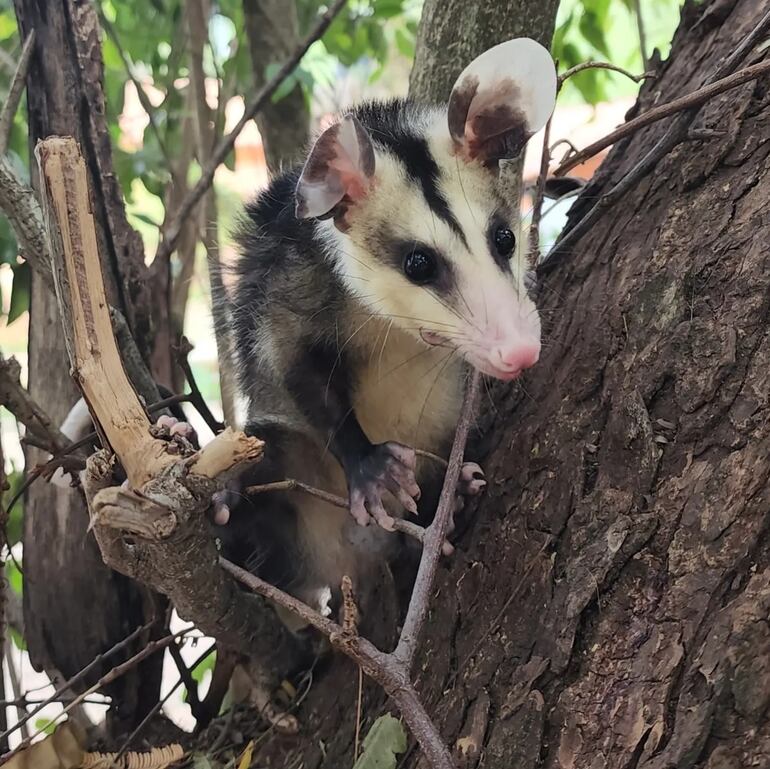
column 368, row 281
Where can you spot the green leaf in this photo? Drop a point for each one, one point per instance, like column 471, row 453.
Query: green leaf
column 593, row 31
column 14, row 576
column 44, row 725
column 20, row 291
column 405, row 43
column 387, row 9
column 201, row 762
column 386, row 739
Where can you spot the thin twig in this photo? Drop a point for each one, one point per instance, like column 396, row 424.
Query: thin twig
column 722, row 79
column 173, row 227
column 436, row 533
column 386, row 669
column 539, row 197
column 70, row 682
column 20, row 205
column 14, row 93
column 185, row 677
column 690, row 100
column 141, row 94
column 358, row 713
column 196, row 398
column 56, row 460
column 412, row 530
column 24, row 407
column 567, row 74
column 159, row 705
column 108, row 678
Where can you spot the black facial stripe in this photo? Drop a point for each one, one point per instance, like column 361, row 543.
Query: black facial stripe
column 421, row 167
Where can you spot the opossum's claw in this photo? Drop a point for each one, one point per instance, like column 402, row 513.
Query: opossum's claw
column 386, row 467
column 471, row 481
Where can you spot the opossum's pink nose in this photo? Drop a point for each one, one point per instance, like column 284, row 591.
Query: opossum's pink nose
column 516, row 358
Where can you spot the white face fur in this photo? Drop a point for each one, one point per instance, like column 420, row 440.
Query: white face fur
column 421, row 233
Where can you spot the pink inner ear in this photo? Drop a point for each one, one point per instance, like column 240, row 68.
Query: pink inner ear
column 494, row 128
column 338, row 170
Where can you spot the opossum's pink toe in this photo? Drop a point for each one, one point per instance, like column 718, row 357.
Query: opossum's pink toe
column 164, row 420
column 221, row 514
column 185, row 429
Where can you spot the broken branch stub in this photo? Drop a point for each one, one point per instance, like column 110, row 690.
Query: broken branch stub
column 93, row 354
column 156, row 530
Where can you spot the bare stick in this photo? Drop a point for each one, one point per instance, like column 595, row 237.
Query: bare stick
column 185, row 677
column 140, row 92
column 436, row 533
column 19, row 203
column 537, row 203
column 94, row 356
column 196, row 398
column 694, row 99
column 112, row 675
column 385, row 669
column 24, row 407
column 290, row 484
column 159, row 705
column 168, row 493
column 89, row 668
column 602, row 65
column 676, row 133
column 14, row 93
column 173, row 228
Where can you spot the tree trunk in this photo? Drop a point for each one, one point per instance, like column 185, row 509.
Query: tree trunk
column 273, row 33
column 453, row 32
column 608, row 608
column 67, row 587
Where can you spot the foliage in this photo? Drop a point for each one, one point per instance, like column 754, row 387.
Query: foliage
column 385, row 741
column 606, row 30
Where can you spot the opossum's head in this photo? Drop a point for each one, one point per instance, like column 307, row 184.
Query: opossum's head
column 421, row 232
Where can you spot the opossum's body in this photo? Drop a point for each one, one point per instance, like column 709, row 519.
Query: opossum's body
column 367, row 281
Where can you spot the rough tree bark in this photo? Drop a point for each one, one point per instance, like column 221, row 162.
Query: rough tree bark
column 272, row 29
column 453, row 32
column 66, row 584
column 609, row 604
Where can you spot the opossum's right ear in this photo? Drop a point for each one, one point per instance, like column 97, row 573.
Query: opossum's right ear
column 501, row 99
column 338, row 171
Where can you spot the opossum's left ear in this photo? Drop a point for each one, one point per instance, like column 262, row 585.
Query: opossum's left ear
column 501, row 99
column 337, row 172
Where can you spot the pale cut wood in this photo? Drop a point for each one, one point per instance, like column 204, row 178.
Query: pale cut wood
column 91, row 346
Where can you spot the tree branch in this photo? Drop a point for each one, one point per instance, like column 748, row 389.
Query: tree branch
column 173, row 228
column 720, row 80
column 437, row 533
column 168, row 486
column 567, row 74
column 14, row 93
column 386, row 669
column 21, row 404
column 19, row 204
column 70, row 682
column 694, row 99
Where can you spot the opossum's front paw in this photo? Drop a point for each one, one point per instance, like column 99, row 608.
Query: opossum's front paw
column 471, row 481
column 180, row 434
column 386, row 467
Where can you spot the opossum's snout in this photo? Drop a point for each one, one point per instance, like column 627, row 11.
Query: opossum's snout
column 496, row 329
column 509, row 361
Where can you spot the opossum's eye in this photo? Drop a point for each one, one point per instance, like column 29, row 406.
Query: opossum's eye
column 420, row 266
column 505, row 241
